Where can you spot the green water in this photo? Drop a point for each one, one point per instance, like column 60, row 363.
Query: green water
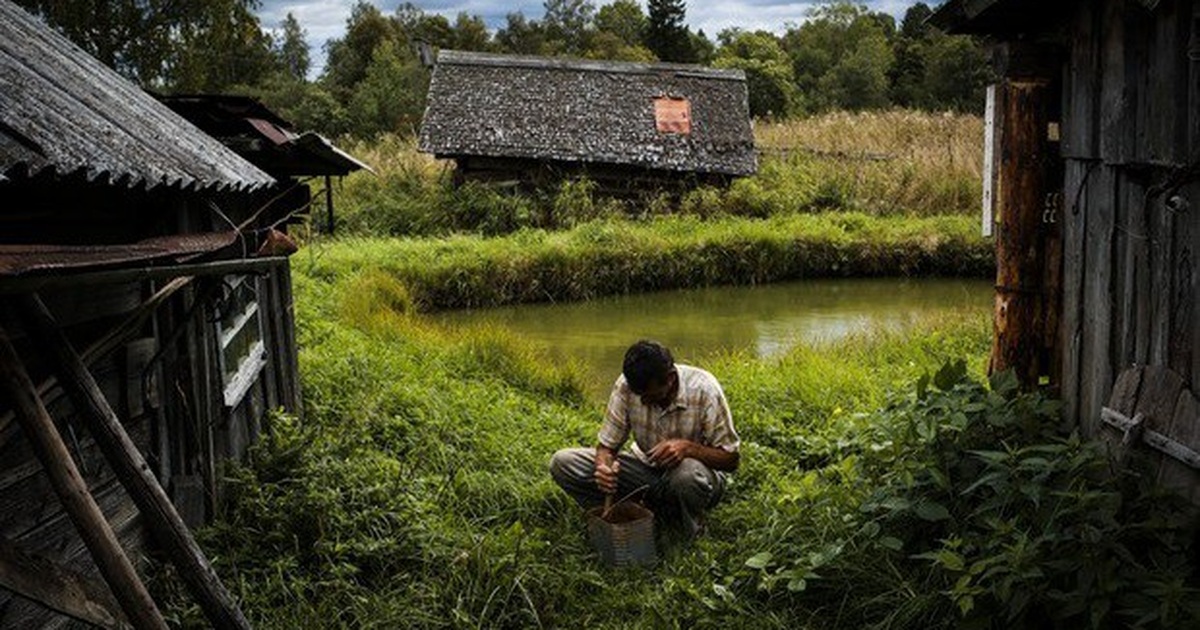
column 697, row 323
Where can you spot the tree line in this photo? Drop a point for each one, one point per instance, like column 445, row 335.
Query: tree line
column 843, row 56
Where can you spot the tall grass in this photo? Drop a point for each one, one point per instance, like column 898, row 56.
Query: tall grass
column 882, row 164
column 618, row 256
column 415, row 493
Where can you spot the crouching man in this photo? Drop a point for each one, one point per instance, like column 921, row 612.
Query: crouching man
column 684, row 442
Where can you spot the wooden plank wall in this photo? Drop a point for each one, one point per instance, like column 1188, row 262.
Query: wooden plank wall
column 1132, row 225
column 180, row 423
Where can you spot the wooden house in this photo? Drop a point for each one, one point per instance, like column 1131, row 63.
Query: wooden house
column 1093, row 194
column 146, row 328
column 532, row 120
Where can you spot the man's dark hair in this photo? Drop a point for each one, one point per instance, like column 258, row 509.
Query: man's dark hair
column 647, row 363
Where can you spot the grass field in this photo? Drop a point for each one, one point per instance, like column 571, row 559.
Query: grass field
column 415, row 492
column 883, row 483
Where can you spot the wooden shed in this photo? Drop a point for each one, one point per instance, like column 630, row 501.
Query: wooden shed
column 146, row 330
column 1094, row 196
column 625, row 125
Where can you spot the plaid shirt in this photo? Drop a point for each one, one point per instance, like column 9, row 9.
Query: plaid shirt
column 699, row 413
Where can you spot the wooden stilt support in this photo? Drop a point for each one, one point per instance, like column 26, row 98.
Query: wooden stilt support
column 132, row 470
column 97, row 534
column 57, row 588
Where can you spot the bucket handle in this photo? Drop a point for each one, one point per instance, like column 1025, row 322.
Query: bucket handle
column 608, row 500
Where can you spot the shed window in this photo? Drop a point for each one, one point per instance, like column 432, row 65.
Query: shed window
column 673, row 115
column 239, row 334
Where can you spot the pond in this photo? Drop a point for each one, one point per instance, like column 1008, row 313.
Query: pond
column 696, row 323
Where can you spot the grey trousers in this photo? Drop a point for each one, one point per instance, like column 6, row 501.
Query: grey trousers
column 683, row 492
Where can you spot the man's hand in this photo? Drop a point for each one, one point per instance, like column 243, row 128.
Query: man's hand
column 607, row 469
column 669, row 453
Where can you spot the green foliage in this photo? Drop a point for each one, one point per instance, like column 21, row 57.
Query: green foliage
column 624, row 19
column 291, row 51
column 567, row 23
column 414, row 493
column 666, row 35
column 769, row 78
column 169, row 45
column 606, row 257
column 976, row 500
column 391, row 97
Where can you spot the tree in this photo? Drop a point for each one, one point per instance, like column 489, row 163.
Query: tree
column 305, row 104
column 769, row 79
column 471, row 33
column 703, row 50
column 292, row 50
column 391, row 96
column 914, row 25
column 606, row 45
column 160, row 43
column 349, row 56
column 666, row 35
column 624, row 19
column 841, row 56
column 521, row 36
column 414, row 25
column 956, row 73
column 566, row 22
column 222, row 47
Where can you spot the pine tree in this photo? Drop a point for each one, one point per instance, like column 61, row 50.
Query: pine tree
column 666, row 34
column 292, row 50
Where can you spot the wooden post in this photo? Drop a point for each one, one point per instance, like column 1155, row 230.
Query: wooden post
column 57, row 587
column 132, row 470
column 1028, row 202
column 329, row 202
column 97, row 534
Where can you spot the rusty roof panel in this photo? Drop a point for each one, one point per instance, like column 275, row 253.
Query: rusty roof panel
column 62, row 110
column 587, row 111
column 17, row 260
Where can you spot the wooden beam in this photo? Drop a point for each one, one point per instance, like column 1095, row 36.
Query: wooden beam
column 72, row 491
column 1027, row 192
column 29, row 284
column 57, row 588
column 131, row 469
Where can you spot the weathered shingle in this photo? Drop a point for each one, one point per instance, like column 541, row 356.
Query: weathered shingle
column 586, row 111
column 62, row 110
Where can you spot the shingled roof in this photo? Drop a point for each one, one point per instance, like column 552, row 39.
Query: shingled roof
column 64, row 112
column 657, row 116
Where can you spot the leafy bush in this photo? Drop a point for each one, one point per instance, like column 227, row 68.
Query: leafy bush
column 980, row 512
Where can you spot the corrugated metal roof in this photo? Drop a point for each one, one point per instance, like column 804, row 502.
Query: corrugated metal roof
column 241, row 122
column 62, row 110
column 587, row 111
column 21, row 259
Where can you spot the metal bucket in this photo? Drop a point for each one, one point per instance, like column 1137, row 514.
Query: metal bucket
column 626, row 537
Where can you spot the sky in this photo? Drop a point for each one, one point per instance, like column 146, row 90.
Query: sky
column 326, row 19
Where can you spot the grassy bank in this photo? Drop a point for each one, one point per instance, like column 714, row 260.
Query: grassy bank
column 415, row 493
column 882, row 164
column 607, row 257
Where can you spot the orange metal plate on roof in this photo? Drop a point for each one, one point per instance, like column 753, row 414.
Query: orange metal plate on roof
column 673, row 115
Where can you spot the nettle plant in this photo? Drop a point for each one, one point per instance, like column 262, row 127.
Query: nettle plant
column 983, row 511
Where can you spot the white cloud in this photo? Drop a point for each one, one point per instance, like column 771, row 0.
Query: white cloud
column 326, row 19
